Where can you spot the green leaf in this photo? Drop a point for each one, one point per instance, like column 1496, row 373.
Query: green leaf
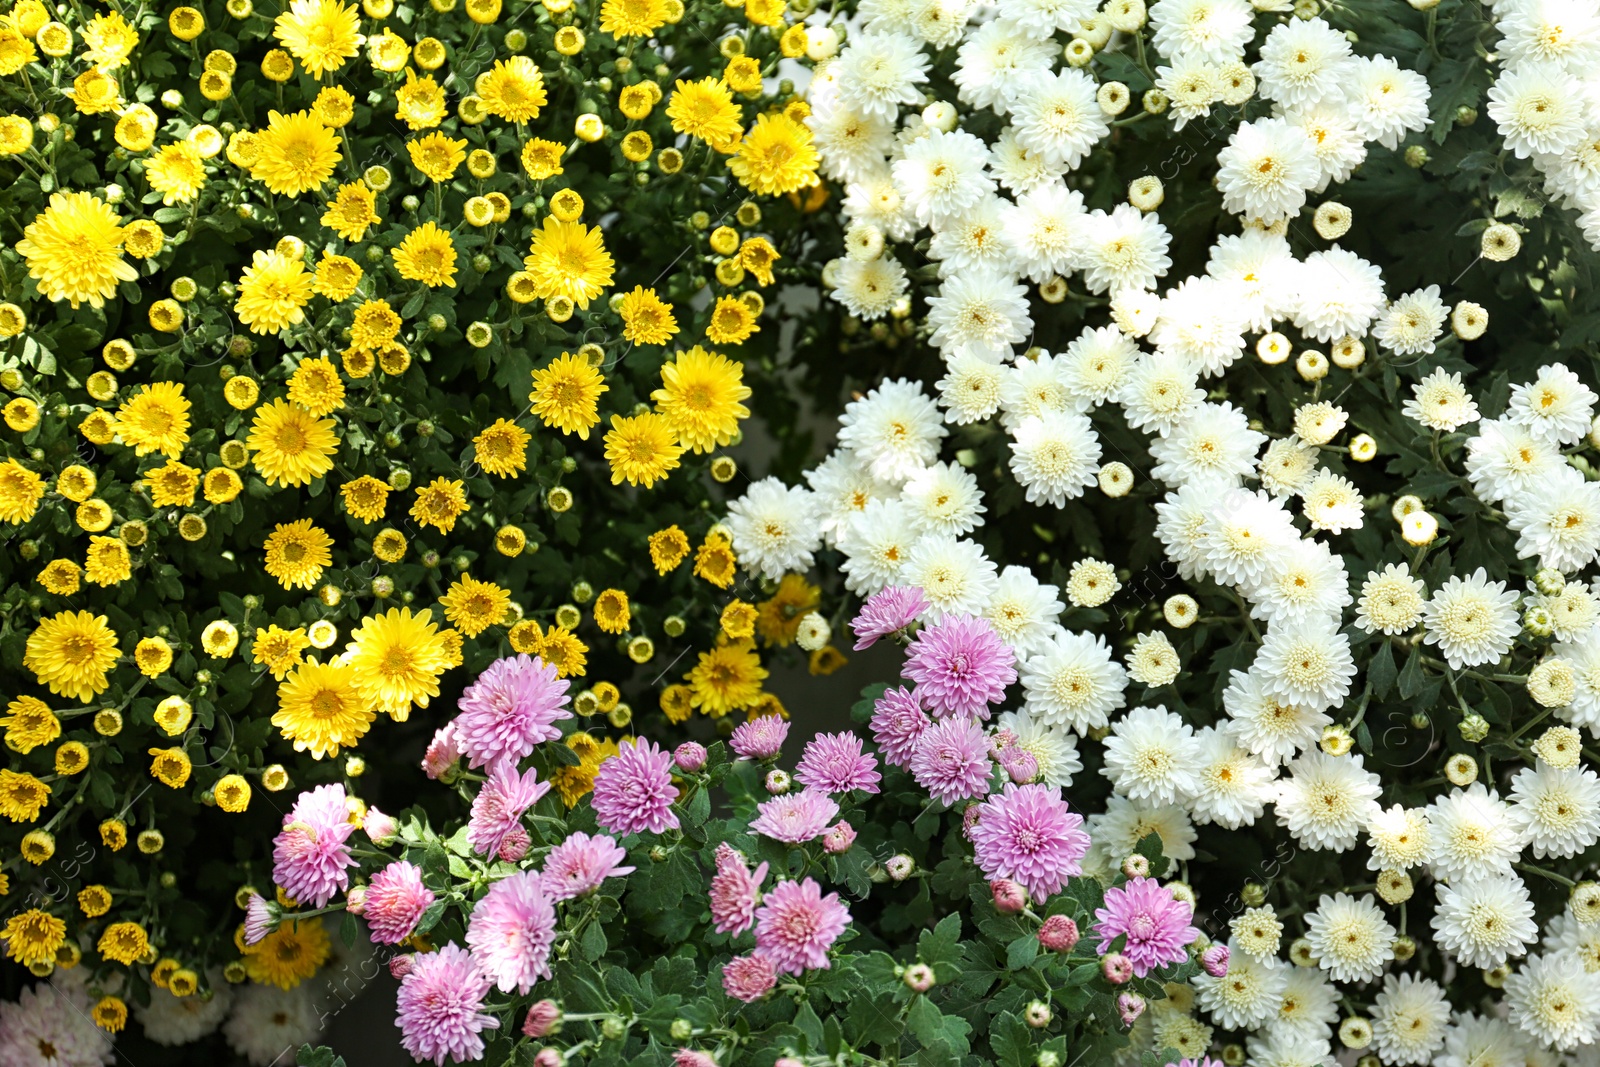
column 942, row 944
column 1021, row 953
column 1011, row 1041
column 1381, row 672
column 1411, row 677
column 349, row 931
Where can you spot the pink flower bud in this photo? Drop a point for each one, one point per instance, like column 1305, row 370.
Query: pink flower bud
column 919, row 977
column 688, row 1057
column 690, row 756
column 1020, row 765
column 838, row 838
column 777, row 781
column 1009, row 897
column 1130, row 1006
column 1136, row 866
column 381, row 829
column 515, row 846
column 547, row 1057
column 355, row 901
column 1058, row 934
column 442, row 752
column 969, row 819
column 1215, row 960
column 541, row 1018
column 900, row 867
column 1116, row 967
column 1037, row 1014
column 400, row 966
column 787, row 1061
column 1000, row 741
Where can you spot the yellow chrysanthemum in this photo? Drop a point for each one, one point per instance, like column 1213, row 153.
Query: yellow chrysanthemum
column 109, row 40
column 337, row 277
column 156, row 419
column 334, row 106
column 33, row 937
column 775, row 156
column 20, row 492
column 297, row 552
column 561, row 648
column 124, row 942
column 170, row 766
column 176, row 172
column 440, row 503
column 778, row 618
column 173, row 485
column 152, row 655
column 732, row 322
column 641, row 449
column 73, row 249
column 294, row 154
column 232, row 794
column 272, row 292
column 473, row 606
column 289, row 955
column 108, row 562
column 70, row 653
column 16, row 51
column 365, row 498
column 715, row 562
column 29, row 723
column 61, row 577
column 569, row 259
column 320, row 709
column 612, row 612
column 566, row 394
column 727, row 678
column 321, row 34
column 352, row 211
column 738, row 620
column 502, row 448
column 437, row 156
column 221, row 485
column 396, row 659
column 705, row 110
column 419, row 103
column 280, row 650
column 513, row 89
column 291, row 445
column 22, row 796
column 633, row 18
column 700, row 398
column 542, row 159
column 427, row 255
column 315, row 385
column 668, row 548
column 110, row 1014
column 757, row 256
column 646, row 318
column 375, row 325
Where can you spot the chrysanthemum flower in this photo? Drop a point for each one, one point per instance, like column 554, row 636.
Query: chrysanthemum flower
column 310, row 859
column 498, row 808
column 951, row 760
column 71, row 652
column 511, row 932
column 632, row 18
column 705, row 110
column 960, row 666
column 761, row 738
column 569, row 259
column 512, row 707
column 796, row 925
column 735, row 889
column 795, row 818
column 641, row 449
column 352, row 211
column 176, row 172
column 291, row 446
column 397, row 658
column 320, row 709
column 428, row 255
column 294, row 154
column 321, row 34
column 775, row 156
column 395, row 900
column 502, row 448
column 566, row 394
column 73, row 249
column 1157, row 926
column 633, row 793
column 441, row 1007
column 580, row 864
column 513, row 89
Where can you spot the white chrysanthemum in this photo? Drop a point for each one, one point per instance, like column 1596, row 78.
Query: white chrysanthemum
column 1573, row 177
column 874, row 201
column 1192, row 85
column 944, row 499
column 1303, row 61
column 1474, row 834
column 1257, row 932
column 1411, row 324
column 1199, row 320
column 1091, row 583
column 941, row 23
column 995, row 61
column 1095, row 365
column 1214, row 444
column 1153, row 661
column 1046, row 231
column 1549, row 31
column 1326, row 801
column 1335, row 141
column 1126, row 249
column 1556, row 811
column 267, row 1020
column 869, row 288
column 1338, row 293
column 1246, row 533
column 955, row 575
column 1160, row 390
column 1150, row 756
column 1036, row 386
column 1215, row 30
column 1558, row 522
column 1332, row 503
column 886, row 15
column 1578, row 939
column 1400, row 838
column 970, row 389
column 1536, row 109
column 1265, row 725
column 1117, row 831
column 1055, row 456
column 774, row 528
column 1019, row 170
column 1248, row 995
column 169, row 1020
column 1044, row 17
column 895, row 430
column 973, row 241
column 942, row 175
column 1024, row 610
column 876, row 543
column 1386, row 101
column 1472, row 620
column 1260, row 267
column 1286, row 466
column 879, row 71
column 1554, row 999
column 841, row 487
column 1266, row 170
column 1572, row 611
column 1505, row 459
column 1307, row 582
column 852, row 144
column 1073, row 682
column 982, row 313
column 1310, row 1006
column 1482, row 1041
column 1556, row 407
column 1408, row 1019
column 1053, row 748
column 1182, row 527
column 1232, row 786
column 1057, row 116
column 1350, row 939
column 1583, row 655
column 1482, row 922
column 1441, row 402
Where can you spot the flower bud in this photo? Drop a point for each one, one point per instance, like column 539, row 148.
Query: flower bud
column 899, row 867
column 838, row 838
column 1037, row 1014
column 1129, row 1006
column 1058, row 934
column 1009, row 897
column 1136, row 866
column 542, row 1018
column 777, row 781
column 1215, row 960
column 919, row 977
column 690, row 756
column 1117, row 968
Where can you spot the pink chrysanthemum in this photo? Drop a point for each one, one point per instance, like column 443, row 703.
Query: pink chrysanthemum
column 796, row 925
column 580, row 863
column 897, row 721
column 396, row 899
column 1029, row 835
column 633, row 792
column 795, row 817
column 835, row 763
column 441, row 1007
column 749, row 978
column 259, row 919
column 759, row 739
column 511, row 931
column 1157, row 924
column 513, row 706
column 960, row 666
column 498, row 808
column 734, row 890
column 310, row 859
column 887, row 611
column 442, row 752
column 689, row 1057
column 951, row 760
